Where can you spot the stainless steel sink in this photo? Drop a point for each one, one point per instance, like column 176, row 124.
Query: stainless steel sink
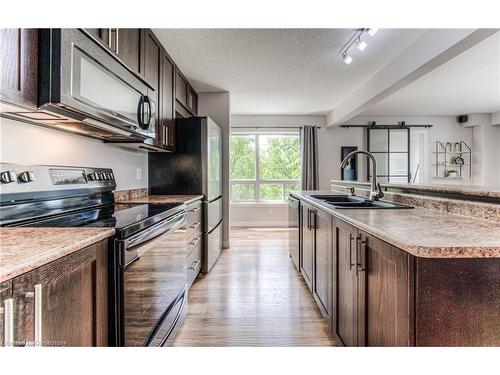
column 352, row 201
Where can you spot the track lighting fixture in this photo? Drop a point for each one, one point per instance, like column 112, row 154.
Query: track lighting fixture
column 356, row 39
column 361, row 44
column 347, row 59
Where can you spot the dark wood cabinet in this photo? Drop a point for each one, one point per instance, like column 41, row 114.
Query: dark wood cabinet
column 127, row 44
column 181, row 88
column 6, row 309
column 385, row 294
column 345, row 316
column 19, row 62
column 167, row 119
column 308, row 243
column 64, row 303
column 323, row 263
column 186, row 97
column 373, row 290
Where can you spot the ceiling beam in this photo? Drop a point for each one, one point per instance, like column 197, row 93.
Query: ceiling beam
column 431, row 50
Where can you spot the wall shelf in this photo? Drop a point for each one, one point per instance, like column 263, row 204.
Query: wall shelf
column 445, row 155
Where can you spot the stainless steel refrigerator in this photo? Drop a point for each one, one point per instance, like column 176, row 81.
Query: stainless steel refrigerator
column 194, row 168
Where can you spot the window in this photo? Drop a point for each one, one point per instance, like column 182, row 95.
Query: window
column 263, row 167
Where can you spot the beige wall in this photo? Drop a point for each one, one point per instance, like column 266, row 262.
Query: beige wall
column 23, row 143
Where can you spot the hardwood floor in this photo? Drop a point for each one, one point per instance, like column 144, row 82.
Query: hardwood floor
column 253, row 297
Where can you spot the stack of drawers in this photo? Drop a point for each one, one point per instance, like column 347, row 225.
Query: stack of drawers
column 194, row 233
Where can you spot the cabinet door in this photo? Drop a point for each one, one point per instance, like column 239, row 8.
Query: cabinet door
column 181, row 89
column 128, row 48
column 152, row 54
column 308, row 239
column 6, row 308
column 346, row 301
column 192, row 101
column 387, row 294
column 19, row 62
column 323, row 266
column 166, row 135
column 64, row 303
column 101, row 34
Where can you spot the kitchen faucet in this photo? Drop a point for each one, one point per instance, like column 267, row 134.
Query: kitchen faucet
column 375, row 189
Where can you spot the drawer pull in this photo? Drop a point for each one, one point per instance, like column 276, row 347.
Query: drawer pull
column 195, row 241
column 195, row 225
column 8, row 322
column 195, row 209
column 195, row 265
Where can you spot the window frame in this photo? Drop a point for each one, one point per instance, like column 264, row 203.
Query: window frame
column 258, row 181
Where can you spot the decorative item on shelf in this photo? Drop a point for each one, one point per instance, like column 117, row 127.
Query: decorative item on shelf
column 458, row 160
column 450, row 173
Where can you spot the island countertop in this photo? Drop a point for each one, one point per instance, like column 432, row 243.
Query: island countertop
column 421, row 232
column 24, row 249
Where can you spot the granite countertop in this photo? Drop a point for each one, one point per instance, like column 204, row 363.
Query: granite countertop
column 468, row 190
column 422, row 232
column 159, row 199
column 24, row 249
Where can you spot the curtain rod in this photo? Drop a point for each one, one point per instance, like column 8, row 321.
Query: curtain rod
column 374, row 125
column 270, row 127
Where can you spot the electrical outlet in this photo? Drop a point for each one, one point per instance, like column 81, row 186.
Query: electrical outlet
column 139, row 173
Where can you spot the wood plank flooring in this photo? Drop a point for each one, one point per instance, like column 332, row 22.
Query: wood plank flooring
column 253, row 297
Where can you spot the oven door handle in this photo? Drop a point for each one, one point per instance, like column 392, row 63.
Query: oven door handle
column 168, row 225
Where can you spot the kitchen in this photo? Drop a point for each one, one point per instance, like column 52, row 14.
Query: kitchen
column 159, row 193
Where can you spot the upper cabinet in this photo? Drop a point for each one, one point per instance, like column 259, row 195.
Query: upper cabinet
column 19, row 62
column 168, row 91
column 125, row 43
column 186, row 97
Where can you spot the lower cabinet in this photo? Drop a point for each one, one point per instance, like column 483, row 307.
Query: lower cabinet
column 308, row 243
column 323, row 263
column 316, row 265
column 373, row 290
column 63, row 303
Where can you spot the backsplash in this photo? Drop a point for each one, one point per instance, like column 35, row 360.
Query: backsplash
column 27, row 144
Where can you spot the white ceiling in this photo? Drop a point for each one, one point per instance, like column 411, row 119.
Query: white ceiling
column 469, row 83
column 280, row 71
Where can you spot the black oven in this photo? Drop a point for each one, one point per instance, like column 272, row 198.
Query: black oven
column 81, row 80
column 152, row 283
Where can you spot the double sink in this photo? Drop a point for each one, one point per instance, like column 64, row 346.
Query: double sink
column 352, row 201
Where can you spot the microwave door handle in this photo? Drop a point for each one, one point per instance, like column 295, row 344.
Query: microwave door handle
column 140, row 111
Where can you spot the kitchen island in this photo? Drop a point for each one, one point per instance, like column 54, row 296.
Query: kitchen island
column 402, row 277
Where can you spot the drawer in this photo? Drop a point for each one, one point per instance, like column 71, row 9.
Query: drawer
column 193, row 262
column 194, row 212
column 193, row 242
column 193, row 228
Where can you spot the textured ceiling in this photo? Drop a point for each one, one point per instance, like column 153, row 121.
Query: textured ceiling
column 280, row 71
column 469, row 83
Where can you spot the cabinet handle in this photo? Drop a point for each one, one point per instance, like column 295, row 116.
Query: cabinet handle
column 195, row 226
column 8, row 322
column 195, row 241
column 359, row 246
column 38, row 315
column 195, row 209
column 195, row 265
column 109, row 37
column 116, row 41
column 351, row 237
column 313, row 225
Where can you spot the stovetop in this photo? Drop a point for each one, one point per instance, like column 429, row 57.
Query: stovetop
column 127, row 219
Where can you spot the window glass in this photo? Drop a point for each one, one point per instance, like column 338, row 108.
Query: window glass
column 242, row 192
column 242, row 157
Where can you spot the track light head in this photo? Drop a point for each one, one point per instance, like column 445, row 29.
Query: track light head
column 361, row 44
column 347, row 59
column 372, row 32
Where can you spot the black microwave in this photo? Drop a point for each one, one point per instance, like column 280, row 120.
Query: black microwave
column 82, row 81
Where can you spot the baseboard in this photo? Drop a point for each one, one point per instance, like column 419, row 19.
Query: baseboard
column 257, row 224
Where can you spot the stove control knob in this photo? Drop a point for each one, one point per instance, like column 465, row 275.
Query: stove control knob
column 27, row 176
column 8, row 177
column 92, row 176
column 100, row 176
column 105, row 176
column 111, row 176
